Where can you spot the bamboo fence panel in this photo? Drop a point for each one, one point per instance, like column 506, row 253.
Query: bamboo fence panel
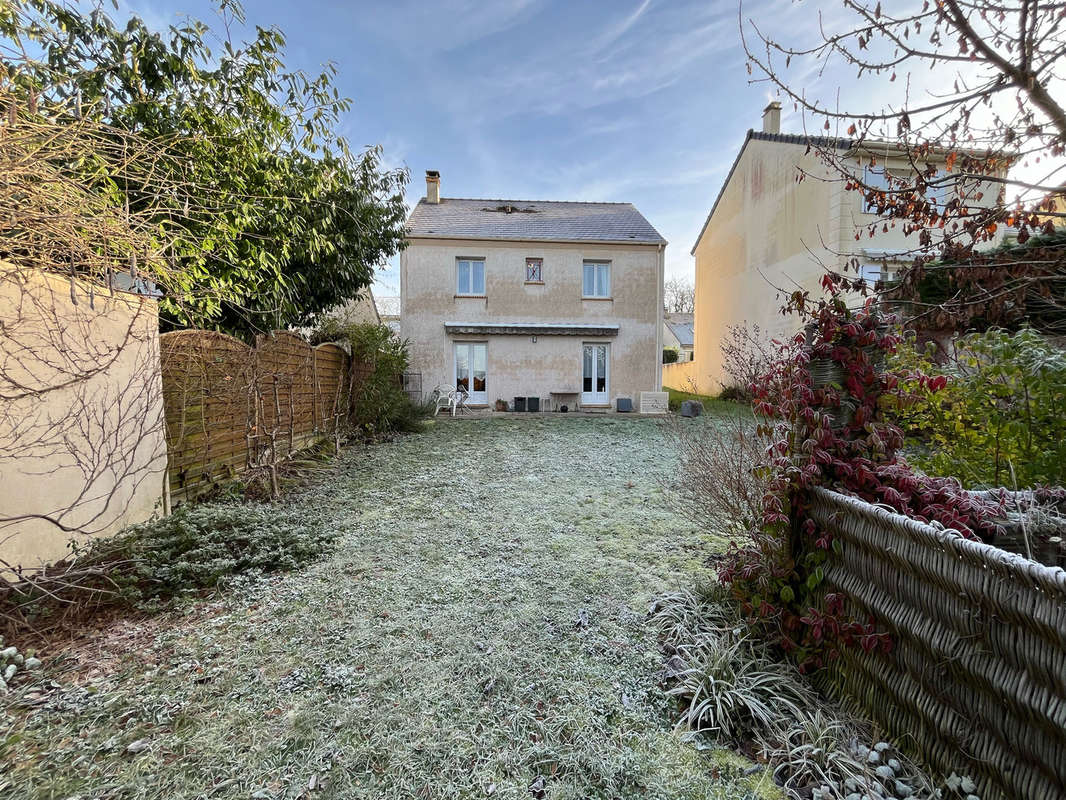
column 231, row 407
column 975, row 681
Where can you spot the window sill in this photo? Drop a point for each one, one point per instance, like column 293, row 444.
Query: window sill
column 595, row 405
column 583, row 297
column 470, row 297
column 534, row 283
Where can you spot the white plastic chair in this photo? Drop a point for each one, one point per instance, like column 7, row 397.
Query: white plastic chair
column 444, row 397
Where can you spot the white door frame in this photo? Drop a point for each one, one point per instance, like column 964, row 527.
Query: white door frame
column 475, row 398
column 595, row 398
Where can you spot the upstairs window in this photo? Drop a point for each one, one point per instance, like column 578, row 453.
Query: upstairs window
column 534, row 270
column 871, row 273
column 470, row 277
column 874, row 178
column 937, row 194
column 596, row 280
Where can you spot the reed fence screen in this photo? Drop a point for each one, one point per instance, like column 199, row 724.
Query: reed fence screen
column 975, row 682
column 231, row 408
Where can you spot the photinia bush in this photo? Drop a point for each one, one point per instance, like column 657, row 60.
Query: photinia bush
column 822, row 408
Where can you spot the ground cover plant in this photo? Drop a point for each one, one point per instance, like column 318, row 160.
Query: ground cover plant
column 480, row 630
column 198, row 547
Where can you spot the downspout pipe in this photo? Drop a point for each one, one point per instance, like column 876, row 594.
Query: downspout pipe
column 661, row 269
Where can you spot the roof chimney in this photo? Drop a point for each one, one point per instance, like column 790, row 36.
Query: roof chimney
column 432, row 186
column 771, row 118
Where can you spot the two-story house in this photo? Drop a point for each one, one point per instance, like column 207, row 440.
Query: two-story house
column 561, row 301
column 769, row 232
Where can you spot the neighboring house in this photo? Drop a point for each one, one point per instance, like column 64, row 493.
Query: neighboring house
column 678, row 334
column 560, row 301
column 389, row 312
column 768, row 233
column 359, row 309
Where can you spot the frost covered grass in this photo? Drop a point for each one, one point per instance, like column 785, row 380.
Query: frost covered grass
column 480, row 630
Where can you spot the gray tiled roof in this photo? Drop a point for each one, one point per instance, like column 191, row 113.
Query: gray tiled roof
column 531, row 220
column 683, row 331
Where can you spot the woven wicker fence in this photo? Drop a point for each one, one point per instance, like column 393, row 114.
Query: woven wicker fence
column 976, row 679
column 231, row 407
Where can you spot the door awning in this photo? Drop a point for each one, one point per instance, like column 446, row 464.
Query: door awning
column 530, row 329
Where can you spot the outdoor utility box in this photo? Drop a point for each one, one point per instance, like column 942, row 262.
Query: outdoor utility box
column 532, row 404
column 624, row 404
column 691, row 408
column 519, row 404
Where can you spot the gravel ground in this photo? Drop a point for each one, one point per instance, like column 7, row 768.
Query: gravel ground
column 479, row 632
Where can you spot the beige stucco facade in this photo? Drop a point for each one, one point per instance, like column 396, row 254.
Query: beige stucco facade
column 770, row 234
column 82, row 449
column 541, row 363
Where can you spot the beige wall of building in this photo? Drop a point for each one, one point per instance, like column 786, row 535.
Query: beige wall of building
column 82, row 450
column 518, row 366
column 770, row 235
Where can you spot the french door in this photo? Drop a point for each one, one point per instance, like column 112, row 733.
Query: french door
column 471, row 368
column 594, row 377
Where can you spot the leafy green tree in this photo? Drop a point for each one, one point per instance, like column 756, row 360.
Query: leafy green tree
column 270, row 214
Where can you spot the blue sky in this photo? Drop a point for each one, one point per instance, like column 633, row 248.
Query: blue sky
column 643, row 101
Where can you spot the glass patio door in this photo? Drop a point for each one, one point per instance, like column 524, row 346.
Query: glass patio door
column 471, row 367
column 594, row 386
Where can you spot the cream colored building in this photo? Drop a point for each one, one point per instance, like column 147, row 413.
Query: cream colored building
column 770, row 233
column 556, row 301
column 82, row 448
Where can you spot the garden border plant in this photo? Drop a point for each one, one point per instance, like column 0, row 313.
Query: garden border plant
column 730, row 686
column 822, row 407
column 379, row 404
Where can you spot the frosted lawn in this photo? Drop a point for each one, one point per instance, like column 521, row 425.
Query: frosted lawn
column 481, row 630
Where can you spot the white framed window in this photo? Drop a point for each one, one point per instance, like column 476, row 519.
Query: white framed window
column 534, row 270
column 872, row 273
column 596, row 280
column 470, row 276
column 875, row 178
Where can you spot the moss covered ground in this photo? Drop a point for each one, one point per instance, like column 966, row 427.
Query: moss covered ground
column 480, row 631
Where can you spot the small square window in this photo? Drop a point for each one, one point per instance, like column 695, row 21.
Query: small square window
column 534, row 270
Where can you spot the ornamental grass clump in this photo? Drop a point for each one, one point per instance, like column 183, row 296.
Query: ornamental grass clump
column 731, row 688
column 724, row 677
